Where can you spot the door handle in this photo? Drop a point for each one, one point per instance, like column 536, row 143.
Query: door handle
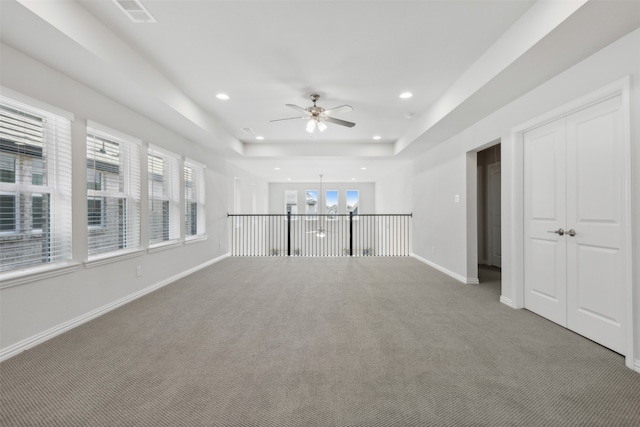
column 572, row 232
column 559, row 231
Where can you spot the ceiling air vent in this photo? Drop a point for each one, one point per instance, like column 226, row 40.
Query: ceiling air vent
column 248, row 131
column 135, row 11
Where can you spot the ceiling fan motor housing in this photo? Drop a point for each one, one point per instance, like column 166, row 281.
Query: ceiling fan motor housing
column 315, row 111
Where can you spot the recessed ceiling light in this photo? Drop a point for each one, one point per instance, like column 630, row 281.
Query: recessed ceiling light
column 353, row 179
column 363, row 168
column 406, row 95
column 288, row 179
column 377, row 137
column 222, row 96
column 408, row 116
column 260, row 137
column 277, row 168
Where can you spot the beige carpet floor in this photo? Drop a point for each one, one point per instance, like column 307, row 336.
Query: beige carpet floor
column 319, row 342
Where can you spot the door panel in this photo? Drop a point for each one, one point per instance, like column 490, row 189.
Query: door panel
column 545, row 211
column 595, row 257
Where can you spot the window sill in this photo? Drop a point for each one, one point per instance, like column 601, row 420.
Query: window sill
column 19, row 277
column 196, row 239
column 102, row 259
column 164, row 246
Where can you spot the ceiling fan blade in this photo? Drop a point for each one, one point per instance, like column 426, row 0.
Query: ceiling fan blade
column 295, row 107
column 340, row 109
column 340, row 122
column 289, row 118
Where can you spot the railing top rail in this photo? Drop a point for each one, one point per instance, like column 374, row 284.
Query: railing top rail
column 317, row 215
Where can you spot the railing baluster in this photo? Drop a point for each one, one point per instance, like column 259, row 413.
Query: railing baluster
column 343, row 234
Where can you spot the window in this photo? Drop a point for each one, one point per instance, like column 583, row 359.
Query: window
column 164, row 195
column 352, row 201
column 113, row 191
column 194, row 216
column 35, row 186
column 291, row 202
column 311, row 203
column 331, row 201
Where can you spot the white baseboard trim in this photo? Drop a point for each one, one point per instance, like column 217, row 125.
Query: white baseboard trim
column 34, row 340
column 507, row 301
column 636, row 365
column 449, row 273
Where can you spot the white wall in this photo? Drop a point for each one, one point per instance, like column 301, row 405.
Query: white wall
column 441, row 173
column 36, row 310
column 394, row 188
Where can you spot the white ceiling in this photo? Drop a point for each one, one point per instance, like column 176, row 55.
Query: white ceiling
column 265, row 54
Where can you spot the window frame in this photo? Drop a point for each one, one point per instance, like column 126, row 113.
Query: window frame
column 117, row 184
column 171, row 196
column 311, row 216
column 346, row 198
column 37, row 133
column 294, row 215
column 332, row 216
column 196, row 204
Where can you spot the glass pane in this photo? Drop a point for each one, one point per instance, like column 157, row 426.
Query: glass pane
column 158, row 220
column 165, row 220
column 157, row 178
column 352, row 201
column 95, row 211
column 7, row 212
column 311, row 202
column 94, row 180
column 38, row 208
column 108, row 229
column 331, row 198
column 37, row 172
column 7, row 169
column 291, row 202
column 191, row 218
column 188, row 183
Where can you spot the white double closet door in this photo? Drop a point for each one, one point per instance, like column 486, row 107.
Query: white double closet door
column 574, row 223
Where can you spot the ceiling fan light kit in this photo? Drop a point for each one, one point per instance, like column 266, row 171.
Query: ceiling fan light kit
column 317, row 116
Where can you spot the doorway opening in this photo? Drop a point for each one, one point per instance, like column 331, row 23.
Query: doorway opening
column 489, row 214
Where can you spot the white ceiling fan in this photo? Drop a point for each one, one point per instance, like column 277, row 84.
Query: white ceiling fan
column 317, row 116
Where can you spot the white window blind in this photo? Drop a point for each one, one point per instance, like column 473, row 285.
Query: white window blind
column 35, row 186
column 164, row 196
column 113, row 191
column 194, row 199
